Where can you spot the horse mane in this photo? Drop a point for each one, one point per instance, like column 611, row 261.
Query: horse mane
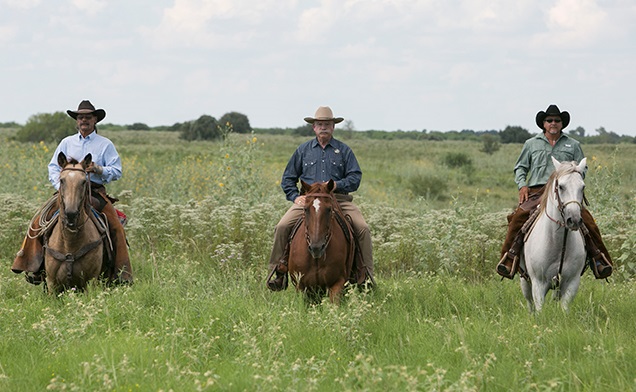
column 73, row 161
column 563, row 169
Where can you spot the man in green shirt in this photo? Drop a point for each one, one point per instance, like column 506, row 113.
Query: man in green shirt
column 532, row 171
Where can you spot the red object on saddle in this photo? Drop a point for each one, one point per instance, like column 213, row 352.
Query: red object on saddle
column 122, row 217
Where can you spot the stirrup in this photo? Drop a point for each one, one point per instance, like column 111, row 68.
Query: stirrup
column 503, row 270
column 600, row 261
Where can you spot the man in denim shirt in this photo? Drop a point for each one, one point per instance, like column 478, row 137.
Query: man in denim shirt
column 532, row 171
column 320, row 160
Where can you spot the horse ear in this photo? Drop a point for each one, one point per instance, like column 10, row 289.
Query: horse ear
column 87, row 160
column 61, row 159
column 555, row 162
column 583, row 165
column 331, row 185
column 304, row 186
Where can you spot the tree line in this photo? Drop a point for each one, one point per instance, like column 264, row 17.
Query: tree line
column 52, row 127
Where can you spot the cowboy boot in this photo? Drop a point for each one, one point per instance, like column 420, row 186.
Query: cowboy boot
column 279, row 283
column 509, row 263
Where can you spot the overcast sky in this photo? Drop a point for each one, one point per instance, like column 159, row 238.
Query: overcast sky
column 383, row 64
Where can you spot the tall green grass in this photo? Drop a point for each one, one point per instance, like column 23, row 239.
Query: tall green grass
column 199, row 316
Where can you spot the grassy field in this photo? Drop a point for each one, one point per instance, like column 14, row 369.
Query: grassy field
column 199, row 317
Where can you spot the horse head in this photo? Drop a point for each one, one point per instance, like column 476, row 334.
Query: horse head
column 568, row 192
column 319, row 208
column 74, row 188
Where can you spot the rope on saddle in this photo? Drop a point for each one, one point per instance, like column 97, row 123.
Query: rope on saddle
column 44, row 222
column 529, row 225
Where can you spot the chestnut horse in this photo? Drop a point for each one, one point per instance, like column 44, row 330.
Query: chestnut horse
column 322, row 250
column 74, row 250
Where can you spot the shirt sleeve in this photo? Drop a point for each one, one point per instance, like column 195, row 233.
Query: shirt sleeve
column 578, row 156
column 353, row 174
column 522, row 167
column 292, row 172
column 111, row 162
column 54, row 168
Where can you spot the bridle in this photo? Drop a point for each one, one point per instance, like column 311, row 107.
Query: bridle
column 561, row 205
column 86, row 192
column 331, row 215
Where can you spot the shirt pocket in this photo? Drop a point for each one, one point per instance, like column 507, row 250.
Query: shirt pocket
column 337, row 167
column 539, row 160
column 564, row 155
column 310, row 168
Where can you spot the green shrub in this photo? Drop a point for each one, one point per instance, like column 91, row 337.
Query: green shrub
column 490, row 144
column 428, row 186
column 457, row 159
column 47, row 127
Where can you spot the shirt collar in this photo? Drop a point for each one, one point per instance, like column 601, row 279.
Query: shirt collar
column 89, row 137
column 314, row 143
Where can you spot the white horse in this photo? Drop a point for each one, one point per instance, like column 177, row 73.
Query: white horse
column 554, row 251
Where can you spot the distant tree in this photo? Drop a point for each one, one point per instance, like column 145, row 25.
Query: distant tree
column 579, row 131
column 240, row 123
column 11, row 124
column 347, row 125
column 178, row 127
column 490, row 143
column 47, row 127
column 514, row 134
column 204, row 128
column 139, row 127
column 304, row 130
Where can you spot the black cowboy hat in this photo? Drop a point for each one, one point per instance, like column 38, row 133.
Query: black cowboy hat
column 86, row 107
column 552, row 110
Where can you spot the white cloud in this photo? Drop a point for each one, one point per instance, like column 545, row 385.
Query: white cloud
column 91, row 7
column 574, row 23
column 21, row 4
column 214, row 23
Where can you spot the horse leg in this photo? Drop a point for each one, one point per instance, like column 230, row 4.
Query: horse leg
column 539, row 291
column 335, row 291
column 526, row 289
column 568, row 291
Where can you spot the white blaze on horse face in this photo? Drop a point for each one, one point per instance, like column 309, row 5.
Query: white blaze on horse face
column 316, row 205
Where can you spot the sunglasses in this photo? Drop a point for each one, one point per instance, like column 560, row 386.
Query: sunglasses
column 551, row 120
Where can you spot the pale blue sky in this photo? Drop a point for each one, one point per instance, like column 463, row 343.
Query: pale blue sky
column 383, row 64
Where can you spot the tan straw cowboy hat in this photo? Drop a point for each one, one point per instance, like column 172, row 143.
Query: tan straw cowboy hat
column 86, row 107
column 324, row 113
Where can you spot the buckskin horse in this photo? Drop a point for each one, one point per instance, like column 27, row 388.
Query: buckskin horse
column 554, row 253
column 74, row 250
column 322, row 250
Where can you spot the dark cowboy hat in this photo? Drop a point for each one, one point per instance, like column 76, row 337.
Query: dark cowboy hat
column 552, row 110
column 86, row 107
column 324, row 113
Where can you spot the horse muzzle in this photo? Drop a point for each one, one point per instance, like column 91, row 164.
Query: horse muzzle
column 317, row 251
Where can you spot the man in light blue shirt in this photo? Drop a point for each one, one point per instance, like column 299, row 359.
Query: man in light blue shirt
column 105, row 167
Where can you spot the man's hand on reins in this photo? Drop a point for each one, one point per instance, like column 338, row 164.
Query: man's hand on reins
column 93, row 168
